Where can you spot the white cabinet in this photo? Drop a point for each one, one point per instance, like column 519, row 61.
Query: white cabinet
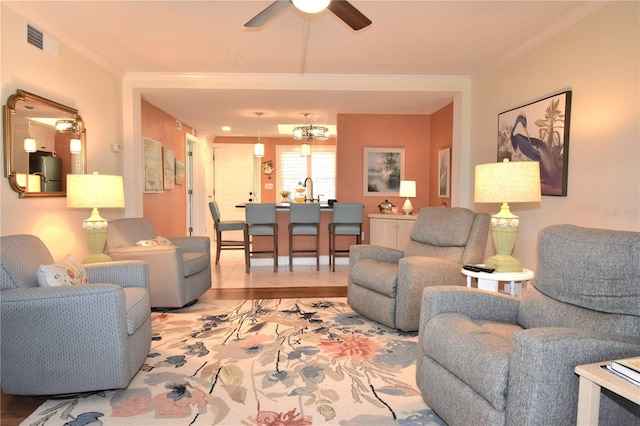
column 390, row 230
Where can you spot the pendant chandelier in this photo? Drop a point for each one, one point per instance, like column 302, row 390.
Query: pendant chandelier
column 310, row 132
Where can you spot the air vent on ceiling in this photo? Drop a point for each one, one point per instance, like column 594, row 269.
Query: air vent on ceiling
column 42, row 41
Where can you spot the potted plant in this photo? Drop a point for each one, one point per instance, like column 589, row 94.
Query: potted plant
column 285, row 195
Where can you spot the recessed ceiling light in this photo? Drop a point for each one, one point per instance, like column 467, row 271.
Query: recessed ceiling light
column 226, row 128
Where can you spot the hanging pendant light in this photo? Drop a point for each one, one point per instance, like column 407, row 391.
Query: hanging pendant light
column 258, row 147
column 29, row 143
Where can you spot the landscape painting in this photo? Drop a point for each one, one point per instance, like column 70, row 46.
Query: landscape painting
column 383, row 169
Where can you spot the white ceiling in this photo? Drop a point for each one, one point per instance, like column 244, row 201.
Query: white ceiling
column 407, row 38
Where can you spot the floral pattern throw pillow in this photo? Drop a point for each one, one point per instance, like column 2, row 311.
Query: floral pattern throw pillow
column 66, row 272
column 157, row 241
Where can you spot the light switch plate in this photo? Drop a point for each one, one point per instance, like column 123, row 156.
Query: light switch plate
column 268, row 186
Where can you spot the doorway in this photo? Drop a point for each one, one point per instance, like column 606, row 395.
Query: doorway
column 234, row 182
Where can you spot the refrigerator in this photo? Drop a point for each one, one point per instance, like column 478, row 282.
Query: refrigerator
column 49, row 168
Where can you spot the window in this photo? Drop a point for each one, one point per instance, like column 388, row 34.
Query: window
column 321, row 167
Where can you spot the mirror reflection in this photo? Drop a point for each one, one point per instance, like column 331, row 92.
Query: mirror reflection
column 43, row 141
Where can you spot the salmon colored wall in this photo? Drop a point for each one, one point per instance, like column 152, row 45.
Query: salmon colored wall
column 411, row 132
column 270, row 195
column 441, row 137
column 165, row 210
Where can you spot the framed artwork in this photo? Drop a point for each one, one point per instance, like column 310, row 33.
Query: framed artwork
column 152, row 158
column 444, row 173
column 179, row 172
column 382, row 171
column 169, row 168
column 539, row 131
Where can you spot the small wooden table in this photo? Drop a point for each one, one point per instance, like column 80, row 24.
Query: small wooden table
column 592, row 379
column 490, row 281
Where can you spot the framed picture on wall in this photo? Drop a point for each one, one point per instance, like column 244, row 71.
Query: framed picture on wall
column 152, row 158
column 179, row 172
column 169, row 168
column 539, row 131
column 444, row 173
column 382, row 171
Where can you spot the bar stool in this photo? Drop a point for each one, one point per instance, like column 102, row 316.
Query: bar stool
column 226, row 225
column 347, row 220
column 304, row 219
column 261, row 221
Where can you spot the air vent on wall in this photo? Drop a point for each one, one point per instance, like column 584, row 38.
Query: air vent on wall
column 35, row 37
column 42, row 41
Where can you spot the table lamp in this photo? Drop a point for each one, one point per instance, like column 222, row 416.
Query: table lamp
column 505, row 183
column 407, row 189
column 94, row 191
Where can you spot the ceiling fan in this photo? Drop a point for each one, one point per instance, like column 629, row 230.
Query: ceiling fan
column 341, row 8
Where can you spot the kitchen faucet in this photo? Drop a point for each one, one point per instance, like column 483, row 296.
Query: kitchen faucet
column 309, row 194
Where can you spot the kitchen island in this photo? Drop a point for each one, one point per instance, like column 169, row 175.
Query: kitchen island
column 282, row 218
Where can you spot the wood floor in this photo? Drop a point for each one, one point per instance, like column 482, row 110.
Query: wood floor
column 17, row 408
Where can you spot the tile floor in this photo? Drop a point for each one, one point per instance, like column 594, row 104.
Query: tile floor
column 230, row 273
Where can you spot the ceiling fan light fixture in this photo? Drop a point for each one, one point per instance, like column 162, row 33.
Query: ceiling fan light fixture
column 311, row 6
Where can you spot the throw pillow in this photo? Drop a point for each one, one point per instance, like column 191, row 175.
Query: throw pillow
column 157, row 241
column 66, row 272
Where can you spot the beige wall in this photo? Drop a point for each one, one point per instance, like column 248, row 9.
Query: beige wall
column 598, row 59
column 73, row 80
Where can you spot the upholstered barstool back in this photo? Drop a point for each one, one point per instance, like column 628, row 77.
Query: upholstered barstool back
column 226, row 225
column 261, row 221
column 347, row 220
column 304, row 219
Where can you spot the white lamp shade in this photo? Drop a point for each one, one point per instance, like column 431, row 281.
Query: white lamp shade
column 508, row 182
column 258, row 149
column 30, row 145
column 75, row 146
column 305, row 150
column 407, row 188
column 311, row 6
column 95, row 191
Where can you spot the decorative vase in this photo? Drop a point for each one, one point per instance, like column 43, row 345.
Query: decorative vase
column 299, row 197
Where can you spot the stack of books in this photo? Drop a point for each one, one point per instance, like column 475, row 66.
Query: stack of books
column 628, row 369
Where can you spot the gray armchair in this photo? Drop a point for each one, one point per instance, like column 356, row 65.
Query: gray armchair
column 491, row 359
column 60, row 340
column 179, row 273
column 386, row 284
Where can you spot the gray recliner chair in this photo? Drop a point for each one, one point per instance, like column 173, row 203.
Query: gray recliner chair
column 81, row 338
column 492, row 359
column 179, row 272
column 386, row 284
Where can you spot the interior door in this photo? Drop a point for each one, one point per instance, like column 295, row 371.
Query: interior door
column 233, row 181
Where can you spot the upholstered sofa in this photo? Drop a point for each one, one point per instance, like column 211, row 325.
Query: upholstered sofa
column 386, row 284
column 71, row 338
column 179, row 267
column 492, row 359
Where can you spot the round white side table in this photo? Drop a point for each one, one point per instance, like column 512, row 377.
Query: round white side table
column 490, row 281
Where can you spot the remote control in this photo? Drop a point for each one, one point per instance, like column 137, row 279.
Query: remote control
column 477, row 268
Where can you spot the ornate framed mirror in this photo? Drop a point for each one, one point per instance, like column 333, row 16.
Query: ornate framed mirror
column 44, row 141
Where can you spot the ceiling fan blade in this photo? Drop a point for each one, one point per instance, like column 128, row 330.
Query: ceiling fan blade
column 269, row 12
column 349, row 14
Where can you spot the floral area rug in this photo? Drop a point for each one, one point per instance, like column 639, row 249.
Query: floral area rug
column 289, row 362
